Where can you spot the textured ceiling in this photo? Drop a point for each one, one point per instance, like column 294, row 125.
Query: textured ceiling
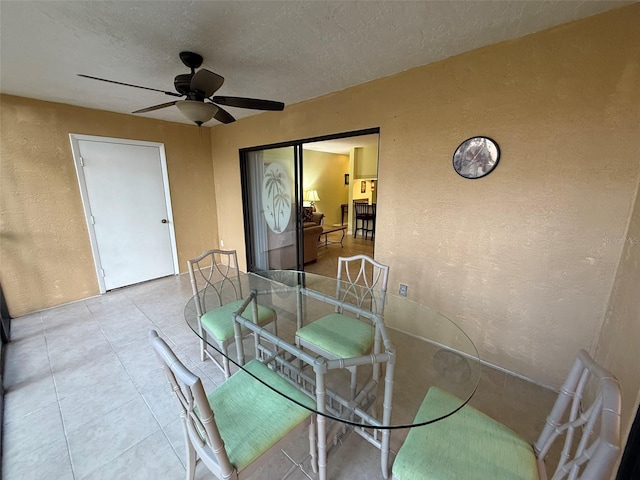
column 279, row 50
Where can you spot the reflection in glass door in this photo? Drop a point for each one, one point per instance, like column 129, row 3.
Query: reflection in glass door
column 270, row 196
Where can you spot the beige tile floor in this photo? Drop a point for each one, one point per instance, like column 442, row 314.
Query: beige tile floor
column 86, row 399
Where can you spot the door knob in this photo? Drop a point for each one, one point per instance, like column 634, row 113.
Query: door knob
column 164, row 220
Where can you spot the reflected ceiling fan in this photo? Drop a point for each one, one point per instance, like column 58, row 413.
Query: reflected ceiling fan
column 199, row 105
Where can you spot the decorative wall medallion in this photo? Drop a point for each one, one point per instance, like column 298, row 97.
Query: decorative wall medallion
column 476, row 157
column 276, row 197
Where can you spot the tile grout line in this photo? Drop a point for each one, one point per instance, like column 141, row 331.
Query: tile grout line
column 55, row 386
column 136, row 386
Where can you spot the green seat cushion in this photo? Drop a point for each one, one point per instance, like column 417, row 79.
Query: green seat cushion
column 251, row 417
column 339, row 335
column 219, row 321
column 467, row 445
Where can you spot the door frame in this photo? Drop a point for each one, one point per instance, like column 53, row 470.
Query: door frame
column 246, row 201
column 74, row 138
column 299, row 160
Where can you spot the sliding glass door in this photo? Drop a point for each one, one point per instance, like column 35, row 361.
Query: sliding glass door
column 272, row 190
column 271, row 193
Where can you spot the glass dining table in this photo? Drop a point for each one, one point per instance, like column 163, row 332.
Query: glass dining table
column 414, row 349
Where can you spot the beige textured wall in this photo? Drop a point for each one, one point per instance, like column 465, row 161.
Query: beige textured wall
column 45, row 254
column 618, row 345
column 366, row 159
column 324, row 172
column 516, row 258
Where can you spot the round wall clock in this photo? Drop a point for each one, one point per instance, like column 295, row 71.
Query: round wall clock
column 476, row 157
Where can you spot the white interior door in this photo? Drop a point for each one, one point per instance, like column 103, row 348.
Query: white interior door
column 126, row 199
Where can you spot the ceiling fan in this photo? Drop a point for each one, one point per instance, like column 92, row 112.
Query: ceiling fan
column 199, row 105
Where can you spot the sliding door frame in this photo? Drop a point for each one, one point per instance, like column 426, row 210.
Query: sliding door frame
column 298, row 173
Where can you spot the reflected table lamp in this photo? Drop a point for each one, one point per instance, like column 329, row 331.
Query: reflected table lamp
column 311, row 196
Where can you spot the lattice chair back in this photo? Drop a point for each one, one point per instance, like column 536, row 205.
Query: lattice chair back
column 592, row 431
column 217, row 271
column 362, row 209
column 362, row 282
column 200, row 425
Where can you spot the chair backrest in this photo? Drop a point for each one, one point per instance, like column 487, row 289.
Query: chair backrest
column 362, row 208
column 217, row 271
column 591, row 428
column 363, row 282
column 199, row 421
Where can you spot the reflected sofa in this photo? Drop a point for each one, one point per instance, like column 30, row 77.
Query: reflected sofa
column 312, row 229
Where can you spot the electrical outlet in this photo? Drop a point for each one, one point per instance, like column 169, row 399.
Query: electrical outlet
column 222, row 243
column 403, row 290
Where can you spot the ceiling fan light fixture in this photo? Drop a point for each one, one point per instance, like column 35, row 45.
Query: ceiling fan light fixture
column 197, row 112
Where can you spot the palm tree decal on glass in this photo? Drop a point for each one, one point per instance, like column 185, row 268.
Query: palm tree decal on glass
column 276, row 197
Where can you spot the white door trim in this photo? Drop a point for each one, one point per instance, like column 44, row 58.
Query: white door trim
column 74, row 138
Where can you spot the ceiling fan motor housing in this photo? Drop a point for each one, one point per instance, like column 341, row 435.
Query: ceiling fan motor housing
column 182, row 83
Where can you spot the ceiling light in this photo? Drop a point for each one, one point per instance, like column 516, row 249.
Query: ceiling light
column 197, row 112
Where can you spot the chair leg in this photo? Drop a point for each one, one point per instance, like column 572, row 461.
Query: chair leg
column 225, row 362
column 354, row 382
column 370, row 229
column 384, row 453
column 203, row 345
column 191, row 454
column 313, row 444
column 322, row 448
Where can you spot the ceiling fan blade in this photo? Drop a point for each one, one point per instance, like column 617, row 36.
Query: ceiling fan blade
column 207, row 82
column 252, row 103
column 174, row 94
column 156, row 107
column 223, row 116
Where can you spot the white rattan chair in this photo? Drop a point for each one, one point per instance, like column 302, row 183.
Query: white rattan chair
column 341, row 336
column 242, row 423
column 217, row 272
column 471, row 445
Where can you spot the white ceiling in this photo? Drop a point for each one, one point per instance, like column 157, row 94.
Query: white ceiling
column 278, row 50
